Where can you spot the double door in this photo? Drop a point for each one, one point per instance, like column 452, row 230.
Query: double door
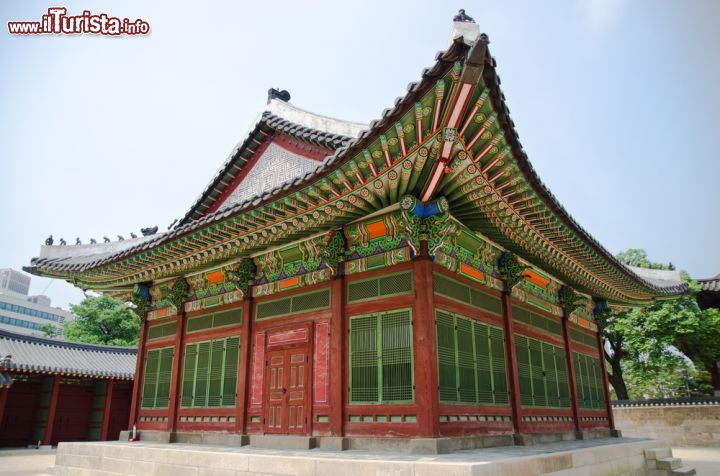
column 287, row 391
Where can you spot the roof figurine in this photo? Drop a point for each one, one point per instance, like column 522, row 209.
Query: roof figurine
column 277, row 94
column 49, row 241
column 149, row 230
column 463, row 17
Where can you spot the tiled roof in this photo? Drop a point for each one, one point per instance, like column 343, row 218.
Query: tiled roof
column 72, row 359
column 282, row 117
column 351, row 147
column 710, row 284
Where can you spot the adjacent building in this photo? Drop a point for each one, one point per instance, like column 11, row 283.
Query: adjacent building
column 408, row 278
column 52, row 391
column 25, row 314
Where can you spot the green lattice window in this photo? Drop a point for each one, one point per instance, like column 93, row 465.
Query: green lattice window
column 461, row 292
column 589, row 381
column 582, row 337
column 214, row 320
column 383, row 286
column 381, row 358
column 534, row 319
column 471, row 361
column 210, row 373
column 162, row 330
column 542, row 372
column 293, row 304
column 157, row 378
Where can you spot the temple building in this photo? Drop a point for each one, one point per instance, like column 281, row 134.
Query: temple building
column 52, row 390
column 410, row 278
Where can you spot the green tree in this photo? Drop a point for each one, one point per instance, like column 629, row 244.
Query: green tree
column 103, row 320
column 48, row 330
column 634, row 257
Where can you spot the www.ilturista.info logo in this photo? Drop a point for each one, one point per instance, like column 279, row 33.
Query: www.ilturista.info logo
column 58, row 22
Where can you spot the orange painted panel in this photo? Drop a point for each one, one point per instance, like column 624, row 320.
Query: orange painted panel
column 472, row 272
column 536, row 279
column 289, row 282
column 583, row 322
column 377, row 229
column 162, row 312
column 216, row 277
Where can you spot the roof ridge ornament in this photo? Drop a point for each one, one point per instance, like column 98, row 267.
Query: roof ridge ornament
column 463, row 17
column 274, row 93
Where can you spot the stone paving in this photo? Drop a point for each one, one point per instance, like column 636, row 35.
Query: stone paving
column 30, row 462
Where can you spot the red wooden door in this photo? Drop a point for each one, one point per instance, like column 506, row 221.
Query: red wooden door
column 286, row 410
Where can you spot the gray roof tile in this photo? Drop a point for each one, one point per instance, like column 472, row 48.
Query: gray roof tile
column 49, row 356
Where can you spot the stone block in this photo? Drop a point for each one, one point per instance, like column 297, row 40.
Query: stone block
column 175, row 470
column 668, row 463
column 657, row 453
column 283, row 465
column 285, row 442
column 328, row 467
column 122, row 466
column 490, row 441
column 684, row 472
column 220, row 460
column 155, row 436
column 332, row 443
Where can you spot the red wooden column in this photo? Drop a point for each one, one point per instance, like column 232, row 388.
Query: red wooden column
column 575, row 404
column 139, row 371
column 606, row 384
column 176, row 377
column 243, row 374
column 512, row 367
column 425, row 347
column 336, row 372
column 3, row 401
column 50, row 422
column 107, row 410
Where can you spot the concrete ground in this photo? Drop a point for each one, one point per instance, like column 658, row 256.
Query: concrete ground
column 30, row 462
column 706, row 461
column 26, row 462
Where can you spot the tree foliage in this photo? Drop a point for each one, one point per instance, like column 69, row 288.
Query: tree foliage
column 103, row 320
column 648, row 349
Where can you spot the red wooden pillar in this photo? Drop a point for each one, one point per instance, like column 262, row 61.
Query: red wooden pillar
column 175, row 377
column 336, row 372
column 139, row 371
column 243, row 374
column 50, row 422
column 606, row 384
column 425, row 347
column 512, row 367
column 574, row 402
column 3, row 401
column 107, row 410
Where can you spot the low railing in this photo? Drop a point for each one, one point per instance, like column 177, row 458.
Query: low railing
column 666, row 402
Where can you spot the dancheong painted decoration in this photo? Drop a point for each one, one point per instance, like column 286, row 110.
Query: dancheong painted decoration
column 408, row 278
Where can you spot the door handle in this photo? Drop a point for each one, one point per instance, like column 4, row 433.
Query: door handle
column 284, row 391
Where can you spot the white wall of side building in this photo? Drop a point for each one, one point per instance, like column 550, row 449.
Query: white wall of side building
column 17, row 314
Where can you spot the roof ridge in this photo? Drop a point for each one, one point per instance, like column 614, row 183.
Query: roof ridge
column 67, row 344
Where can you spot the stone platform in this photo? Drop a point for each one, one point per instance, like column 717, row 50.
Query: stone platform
column 599, row 457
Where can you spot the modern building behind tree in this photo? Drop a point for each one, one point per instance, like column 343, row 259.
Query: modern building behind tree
column 25, row 314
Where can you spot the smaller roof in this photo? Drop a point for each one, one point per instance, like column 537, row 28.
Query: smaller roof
column 73, row 359
column 710, row 284
column 662, row 278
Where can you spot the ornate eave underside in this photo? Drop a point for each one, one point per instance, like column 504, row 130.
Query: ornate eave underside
column 488, row 181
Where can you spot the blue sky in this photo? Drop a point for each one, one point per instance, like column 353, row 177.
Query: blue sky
column 616, row 104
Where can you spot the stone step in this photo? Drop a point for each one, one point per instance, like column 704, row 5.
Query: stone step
column 684, row 472
column 669, row 463
column 658, row 453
